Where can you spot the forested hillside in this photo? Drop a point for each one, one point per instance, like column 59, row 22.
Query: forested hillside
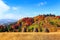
column 40, row 23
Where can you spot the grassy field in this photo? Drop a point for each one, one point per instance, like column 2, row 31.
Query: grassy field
column 29, row 36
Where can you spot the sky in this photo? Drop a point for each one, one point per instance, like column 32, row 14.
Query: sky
column 17, row 9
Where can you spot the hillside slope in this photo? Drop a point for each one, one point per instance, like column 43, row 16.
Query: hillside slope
column 40, row 23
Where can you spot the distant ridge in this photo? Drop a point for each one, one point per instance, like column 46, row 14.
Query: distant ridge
column 6, row 21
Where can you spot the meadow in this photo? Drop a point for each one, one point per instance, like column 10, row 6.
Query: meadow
column 29, row 36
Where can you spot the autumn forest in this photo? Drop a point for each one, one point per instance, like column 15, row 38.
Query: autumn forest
column 40, row 23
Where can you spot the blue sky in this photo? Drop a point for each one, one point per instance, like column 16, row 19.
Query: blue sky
column 17, row 9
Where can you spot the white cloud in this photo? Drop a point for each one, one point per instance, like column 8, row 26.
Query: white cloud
column 14, row 8
column 4, row 14
column 9, row 12
column 3, row 7
column 11, row 16
column 42, row 3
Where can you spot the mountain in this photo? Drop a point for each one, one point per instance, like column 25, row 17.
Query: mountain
column 40, row 23
column 6, row 21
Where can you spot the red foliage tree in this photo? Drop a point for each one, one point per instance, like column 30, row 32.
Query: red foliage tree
column 28, row 21
column 2, row 26
column 58, row 17
column 14, row 26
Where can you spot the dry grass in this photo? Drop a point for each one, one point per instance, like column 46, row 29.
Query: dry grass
column 29, row 36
